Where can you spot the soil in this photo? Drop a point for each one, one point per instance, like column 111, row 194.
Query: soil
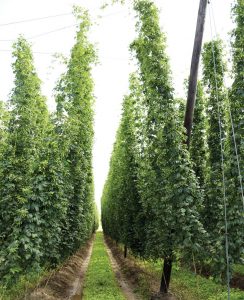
column 66, row 283
column 137, row 277
column 237, row 282
column 125, row 286
column 79, row 284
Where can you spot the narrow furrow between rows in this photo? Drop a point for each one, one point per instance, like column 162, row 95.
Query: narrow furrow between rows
column 66, row 282
column 123, row 283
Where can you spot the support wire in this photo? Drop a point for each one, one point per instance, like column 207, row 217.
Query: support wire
column 222, row 166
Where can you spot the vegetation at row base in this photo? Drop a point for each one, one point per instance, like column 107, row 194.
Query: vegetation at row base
column 47, row 208
column 185, row 284
column 25, row 284
column 161, row 200
column 100, row 281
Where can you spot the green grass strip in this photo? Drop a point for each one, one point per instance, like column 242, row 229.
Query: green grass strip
column 24, row 285
column 239, row 269
column 100, row 282
column 188, row 286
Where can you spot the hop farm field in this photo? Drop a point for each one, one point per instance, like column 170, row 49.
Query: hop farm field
column 116, row 184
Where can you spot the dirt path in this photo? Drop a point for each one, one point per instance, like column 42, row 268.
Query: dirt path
column 79, row 283
column 138, row 277
column 124, row 285
column 67, row 282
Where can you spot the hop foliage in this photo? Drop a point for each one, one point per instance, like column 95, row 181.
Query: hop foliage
column 158, row 198
column 223, row 200
column 20, row 240
column 198, row 146
column 213, row 77
column 166, row 191
column 214, row 80
column 75, row 114
column 122, row 214
column 234, row 178
column 47, row 208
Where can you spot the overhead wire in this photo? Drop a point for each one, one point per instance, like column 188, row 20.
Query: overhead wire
column 55, row 30
column 35, row 52
column 43, row 34
column 53, row 16
column 34, row 19
column 51, row 31
column 53, row 53
column 222, row 163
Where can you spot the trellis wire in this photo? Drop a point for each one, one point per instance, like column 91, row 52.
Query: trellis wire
column 222, row 165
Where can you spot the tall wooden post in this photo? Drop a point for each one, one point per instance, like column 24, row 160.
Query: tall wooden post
column 191, row 99
column 164, row 286
column 125, row 251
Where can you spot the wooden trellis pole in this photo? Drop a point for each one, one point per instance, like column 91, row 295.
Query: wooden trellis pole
column 191, row 99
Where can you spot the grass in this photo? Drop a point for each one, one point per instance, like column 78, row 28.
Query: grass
column 100, row 282
column 185, row 284
column 239, row 269
column 25, row 284
column 188, row 286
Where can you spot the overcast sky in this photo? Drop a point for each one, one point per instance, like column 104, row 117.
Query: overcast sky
column 112, row 33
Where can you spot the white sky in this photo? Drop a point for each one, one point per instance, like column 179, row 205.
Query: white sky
column 113, row 33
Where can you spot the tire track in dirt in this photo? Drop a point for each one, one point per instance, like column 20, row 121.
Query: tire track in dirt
column 143, row 281
column 123, row 283
column 67, row 282
column 79, row 283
